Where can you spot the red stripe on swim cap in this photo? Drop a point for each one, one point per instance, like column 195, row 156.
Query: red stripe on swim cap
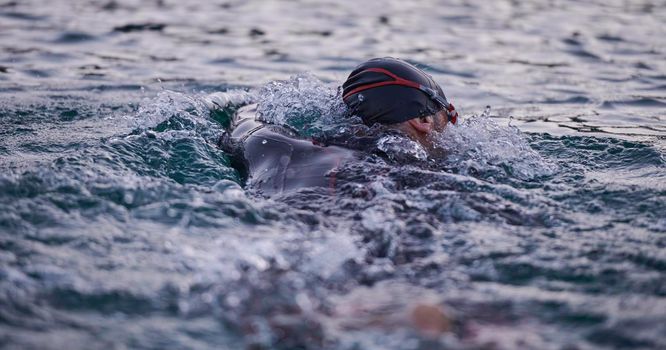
column 397, row 81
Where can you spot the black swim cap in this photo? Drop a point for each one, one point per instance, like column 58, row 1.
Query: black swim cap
column 389, row 90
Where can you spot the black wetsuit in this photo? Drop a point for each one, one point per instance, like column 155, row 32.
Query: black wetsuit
column 275, row 159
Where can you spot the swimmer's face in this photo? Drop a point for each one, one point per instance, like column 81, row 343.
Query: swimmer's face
column 439, row 121
column 426, row 130
column 432, row 140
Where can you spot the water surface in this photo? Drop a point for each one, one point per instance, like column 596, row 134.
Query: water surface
column 122, row 225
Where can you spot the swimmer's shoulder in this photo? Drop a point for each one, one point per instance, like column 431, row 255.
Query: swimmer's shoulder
column 277, row 159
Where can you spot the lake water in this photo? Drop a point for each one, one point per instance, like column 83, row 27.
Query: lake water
column 124, row 226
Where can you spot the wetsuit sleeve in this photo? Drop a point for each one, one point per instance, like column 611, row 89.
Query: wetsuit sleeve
column 278, row 163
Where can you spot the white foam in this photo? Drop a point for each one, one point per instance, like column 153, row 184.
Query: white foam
column 480, row 143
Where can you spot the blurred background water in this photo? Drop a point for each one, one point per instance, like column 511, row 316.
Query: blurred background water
column 122, row 225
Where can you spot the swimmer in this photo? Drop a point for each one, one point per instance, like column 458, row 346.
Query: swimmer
column 385, row 91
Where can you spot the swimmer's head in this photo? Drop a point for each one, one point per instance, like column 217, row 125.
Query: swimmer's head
column 393, row 92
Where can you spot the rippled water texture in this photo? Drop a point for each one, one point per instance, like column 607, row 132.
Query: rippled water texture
column 123, row 225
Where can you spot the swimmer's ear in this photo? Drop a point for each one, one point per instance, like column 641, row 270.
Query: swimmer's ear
column 422, row 124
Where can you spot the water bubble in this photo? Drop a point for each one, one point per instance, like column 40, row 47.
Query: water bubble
column 207, row 297
column 233, row 300
column 228, row 187
column 128, row 198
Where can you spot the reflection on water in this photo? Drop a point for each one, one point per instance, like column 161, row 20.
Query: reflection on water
column 122, row 225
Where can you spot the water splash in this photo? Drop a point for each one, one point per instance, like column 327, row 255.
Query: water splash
column 401, row 148
column 303, row 103
column 479, row 145
column 231, row 98
column 169, row 108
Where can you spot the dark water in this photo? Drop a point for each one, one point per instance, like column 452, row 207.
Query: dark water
column 122, row 225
